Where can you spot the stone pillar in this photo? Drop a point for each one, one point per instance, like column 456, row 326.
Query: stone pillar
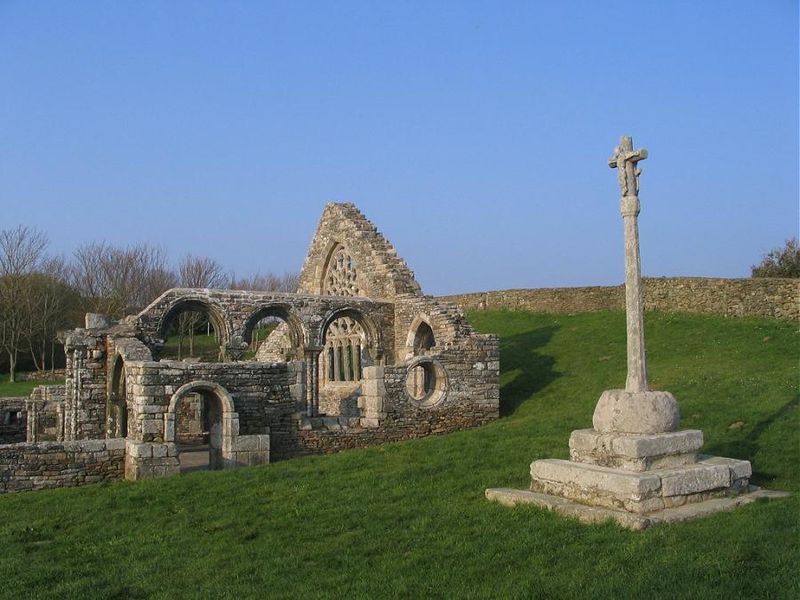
column 312, row 381
column 634, row 304
column 373, row 397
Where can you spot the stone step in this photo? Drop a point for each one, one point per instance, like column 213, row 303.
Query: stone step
column 636, row 452
column 639, row 492
column 636, row 522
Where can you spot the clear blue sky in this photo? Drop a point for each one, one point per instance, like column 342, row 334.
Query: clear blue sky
column 474, row 134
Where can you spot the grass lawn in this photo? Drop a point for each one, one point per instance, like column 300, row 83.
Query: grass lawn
column 410, row 520
column 21, row 388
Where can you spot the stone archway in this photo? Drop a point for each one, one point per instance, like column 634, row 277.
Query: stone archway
column 193, row 305
column 216, row 412
column 285, row 342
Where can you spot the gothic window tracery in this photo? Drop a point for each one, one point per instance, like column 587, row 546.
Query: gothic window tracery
column 344, row 342
column 341, row 276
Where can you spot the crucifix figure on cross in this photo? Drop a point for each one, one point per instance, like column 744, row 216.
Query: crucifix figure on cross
column 624, row 160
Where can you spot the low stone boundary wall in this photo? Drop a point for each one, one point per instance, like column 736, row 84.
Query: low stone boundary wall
column 762, row 297
column 60, row 464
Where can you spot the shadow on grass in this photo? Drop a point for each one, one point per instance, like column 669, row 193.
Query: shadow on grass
column 748, row 447
column 518, row 353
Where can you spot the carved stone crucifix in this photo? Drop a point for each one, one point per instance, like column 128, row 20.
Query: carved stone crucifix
column 625, row 160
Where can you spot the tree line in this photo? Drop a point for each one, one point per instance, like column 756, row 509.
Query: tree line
column 41, row 293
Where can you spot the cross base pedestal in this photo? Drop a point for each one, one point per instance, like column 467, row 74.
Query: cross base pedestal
column 636, row 479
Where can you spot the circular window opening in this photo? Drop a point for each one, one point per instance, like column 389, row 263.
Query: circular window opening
column 426, row 383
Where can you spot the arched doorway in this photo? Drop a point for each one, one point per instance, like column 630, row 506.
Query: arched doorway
column 202, row 422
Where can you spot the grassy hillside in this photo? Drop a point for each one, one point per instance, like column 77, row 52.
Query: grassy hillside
column 409, row 519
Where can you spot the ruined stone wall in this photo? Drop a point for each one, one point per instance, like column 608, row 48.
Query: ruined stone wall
column 266, row 396
column 763, row 297
column 60, row 464
column 235, row 312
column 471, row 399
column 45, row 413
column 86, row 385
column 13, row 420
column 447, row 321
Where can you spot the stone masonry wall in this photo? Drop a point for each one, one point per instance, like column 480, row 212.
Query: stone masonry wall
column 763, row 297
column 60, row 464
column 472, row 399
column 86, row 385
column 265, row 395
column 45, row 413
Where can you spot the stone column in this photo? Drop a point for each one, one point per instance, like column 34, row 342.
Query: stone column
column 312, row 381
column 634, row 304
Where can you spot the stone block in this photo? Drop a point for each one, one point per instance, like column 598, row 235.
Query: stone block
column 139, row 450
column 152, row 426
column 635, row 452
column 694, row 479
column 617, row 483
column 740, row 469
column 247, row 443
column 373, row 387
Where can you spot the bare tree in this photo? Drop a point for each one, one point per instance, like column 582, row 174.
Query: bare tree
column 52, row 304
column 288, row 282
column 22, row 251
column 118, row 281
column 201, row 272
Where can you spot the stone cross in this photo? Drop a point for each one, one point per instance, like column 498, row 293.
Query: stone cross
column 625, row 160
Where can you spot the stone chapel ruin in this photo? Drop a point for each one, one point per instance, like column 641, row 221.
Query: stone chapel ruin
column 359, row 356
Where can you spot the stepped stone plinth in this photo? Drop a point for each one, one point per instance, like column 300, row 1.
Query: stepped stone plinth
column 635, row 466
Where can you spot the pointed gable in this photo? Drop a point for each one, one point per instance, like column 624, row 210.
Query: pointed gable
column 350, row 257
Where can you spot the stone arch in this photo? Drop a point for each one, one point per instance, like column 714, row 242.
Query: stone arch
column 216, row 315
column 421, row 337
column 294, row 325
column 371, row 332
column 226, row 400
column 223, row 420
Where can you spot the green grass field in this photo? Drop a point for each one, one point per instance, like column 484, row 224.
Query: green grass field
column 409, row 519
column 21, row 388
